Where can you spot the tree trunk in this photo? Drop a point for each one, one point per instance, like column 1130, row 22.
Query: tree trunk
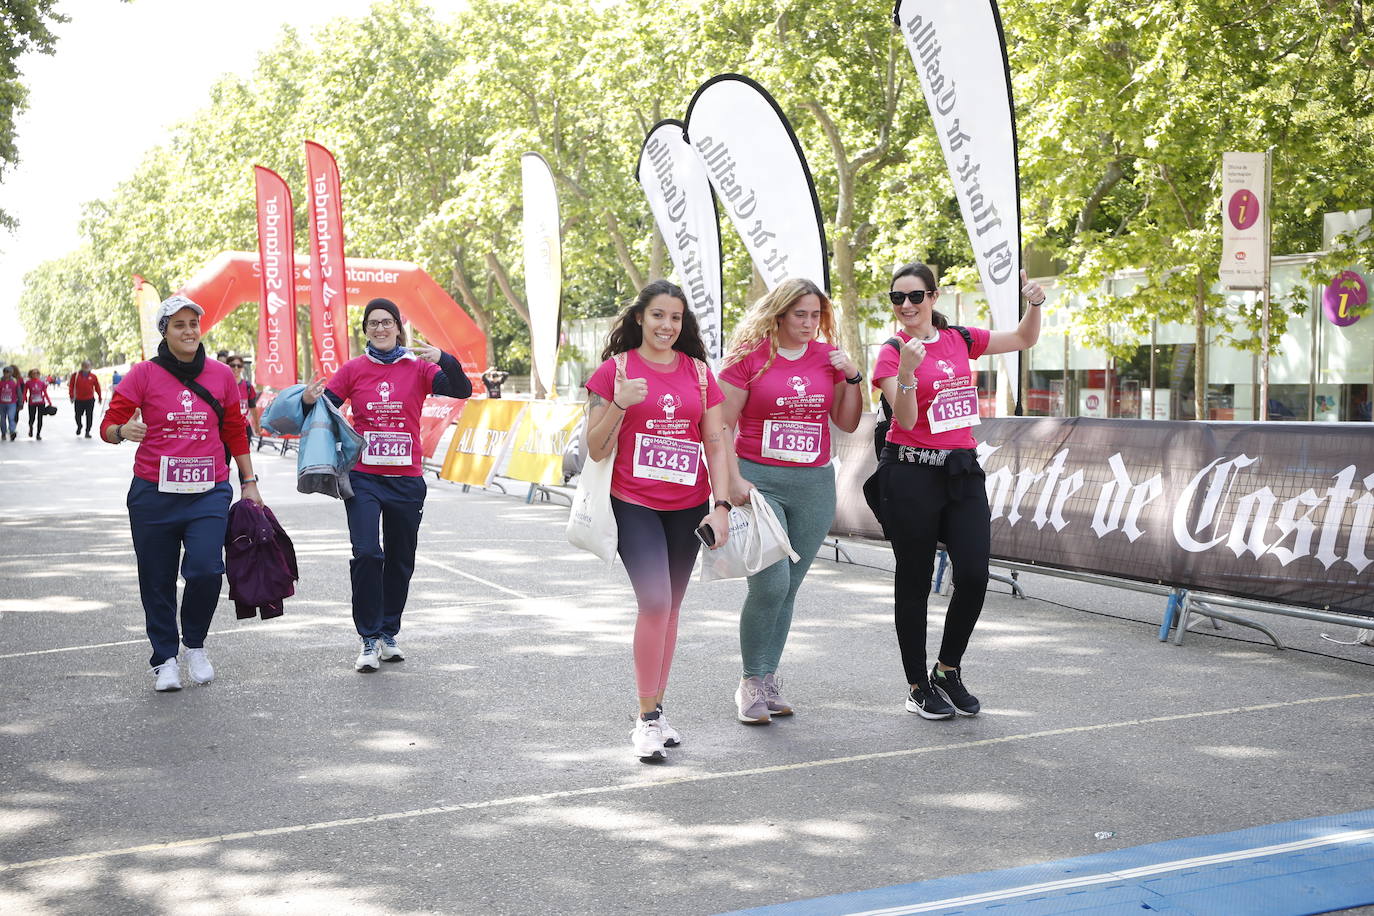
column 846, row 295
column 658, row 255
column 1200, row 349
column 481, row 316
column 622, row 252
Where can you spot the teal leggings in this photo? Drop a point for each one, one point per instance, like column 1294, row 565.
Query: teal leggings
column 804, row 501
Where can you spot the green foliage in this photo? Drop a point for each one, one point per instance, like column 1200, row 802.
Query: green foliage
column 1124, row 108
column 25, row 25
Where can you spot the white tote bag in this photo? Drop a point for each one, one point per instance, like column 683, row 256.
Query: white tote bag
column 757, row 540
column 591, row 523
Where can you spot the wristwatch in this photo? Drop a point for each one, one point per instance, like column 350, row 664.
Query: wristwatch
column 721, row 502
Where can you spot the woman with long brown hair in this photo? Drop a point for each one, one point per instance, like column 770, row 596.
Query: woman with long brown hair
column 656, row 404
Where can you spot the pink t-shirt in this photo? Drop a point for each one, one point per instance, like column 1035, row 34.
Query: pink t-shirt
column 387, row 401
column 946, row 394
column 36, row 391
column 180, row 425
column 9, row 391
column 786, row 421
column 658, row 458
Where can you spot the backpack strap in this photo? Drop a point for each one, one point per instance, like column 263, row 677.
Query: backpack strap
column 701, row 382
column 968, row 338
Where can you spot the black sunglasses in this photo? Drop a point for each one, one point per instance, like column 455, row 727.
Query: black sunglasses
column 917, row 296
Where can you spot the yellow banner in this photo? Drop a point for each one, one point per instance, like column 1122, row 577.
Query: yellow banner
column 540, row 440
column 479, row 440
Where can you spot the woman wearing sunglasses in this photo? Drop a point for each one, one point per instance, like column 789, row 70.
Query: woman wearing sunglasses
column 931, row 487
column 387, row 385
column 784, row 383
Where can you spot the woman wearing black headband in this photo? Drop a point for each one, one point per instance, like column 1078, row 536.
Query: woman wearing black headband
column 387, row 386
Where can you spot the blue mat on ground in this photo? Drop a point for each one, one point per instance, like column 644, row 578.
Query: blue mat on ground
column 1298, row 867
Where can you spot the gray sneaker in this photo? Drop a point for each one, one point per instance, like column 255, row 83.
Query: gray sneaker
column 751, row 701
column 772, row 687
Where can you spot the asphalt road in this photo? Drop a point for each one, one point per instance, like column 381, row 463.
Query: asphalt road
column 491, row 771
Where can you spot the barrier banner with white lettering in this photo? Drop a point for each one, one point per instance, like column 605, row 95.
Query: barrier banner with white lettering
column 481, row 439
column 1276, row 512
column 437, row 414
column 275, row 366
column 536, row 453
column 755, row 162
column 960, row 55
column 684, row 210
column 328, row 282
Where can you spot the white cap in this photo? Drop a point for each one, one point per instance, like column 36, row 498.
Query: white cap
column 169, row 307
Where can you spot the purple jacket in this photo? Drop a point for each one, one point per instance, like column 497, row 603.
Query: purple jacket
column 260, row 561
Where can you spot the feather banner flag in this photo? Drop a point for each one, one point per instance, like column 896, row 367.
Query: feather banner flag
column 684, row 210
column 275, row 366
column 328, row 280
column 961, row 57
column 543, row 268
column 756, row 165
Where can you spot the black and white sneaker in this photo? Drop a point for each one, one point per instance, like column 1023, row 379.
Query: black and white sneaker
column 928, row 703
column 952, row 687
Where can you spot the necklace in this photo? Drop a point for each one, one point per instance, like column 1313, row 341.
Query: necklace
column 931, row 339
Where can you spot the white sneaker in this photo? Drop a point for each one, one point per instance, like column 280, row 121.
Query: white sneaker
column 198, row 666
column 389, row 651
column 671, row 736
column 368, row 658
column 647, row 738
column 168, row 676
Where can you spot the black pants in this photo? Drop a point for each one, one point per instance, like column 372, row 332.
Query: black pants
column 36, row 410
column 84, row 408
column 923, row 506
column 384, row 525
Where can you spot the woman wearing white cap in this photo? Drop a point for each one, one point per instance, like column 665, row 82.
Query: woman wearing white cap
column 179, row 499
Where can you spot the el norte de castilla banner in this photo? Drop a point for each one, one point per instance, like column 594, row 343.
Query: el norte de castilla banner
column 960, row 55
column 756, row 165
column 684, row 210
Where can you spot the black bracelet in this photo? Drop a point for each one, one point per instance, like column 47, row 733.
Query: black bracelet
column 856, row 379
column 721, row 502
column 622, row 409
column 119, row 434
column 1036, row 305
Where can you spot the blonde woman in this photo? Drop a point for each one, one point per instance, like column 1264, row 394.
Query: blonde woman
column 784, row 381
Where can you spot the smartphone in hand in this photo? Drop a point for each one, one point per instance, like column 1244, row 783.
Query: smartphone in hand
column 707, row 535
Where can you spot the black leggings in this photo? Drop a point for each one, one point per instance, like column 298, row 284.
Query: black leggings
column 923, row 506
column 36, row 410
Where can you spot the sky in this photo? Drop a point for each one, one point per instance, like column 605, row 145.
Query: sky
column 123, row 74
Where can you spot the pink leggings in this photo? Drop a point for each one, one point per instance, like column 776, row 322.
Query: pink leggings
column 658, row 548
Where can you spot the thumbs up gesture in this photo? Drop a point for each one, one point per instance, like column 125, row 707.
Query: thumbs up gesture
column 134, row 430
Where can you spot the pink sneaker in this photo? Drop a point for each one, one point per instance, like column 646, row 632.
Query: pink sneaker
column 751, row 701
column 772, row 685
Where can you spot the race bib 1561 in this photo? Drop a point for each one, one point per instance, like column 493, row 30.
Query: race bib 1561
column 186, row 475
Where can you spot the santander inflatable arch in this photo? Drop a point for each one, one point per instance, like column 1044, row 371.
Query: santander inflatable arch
column 231, row 279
